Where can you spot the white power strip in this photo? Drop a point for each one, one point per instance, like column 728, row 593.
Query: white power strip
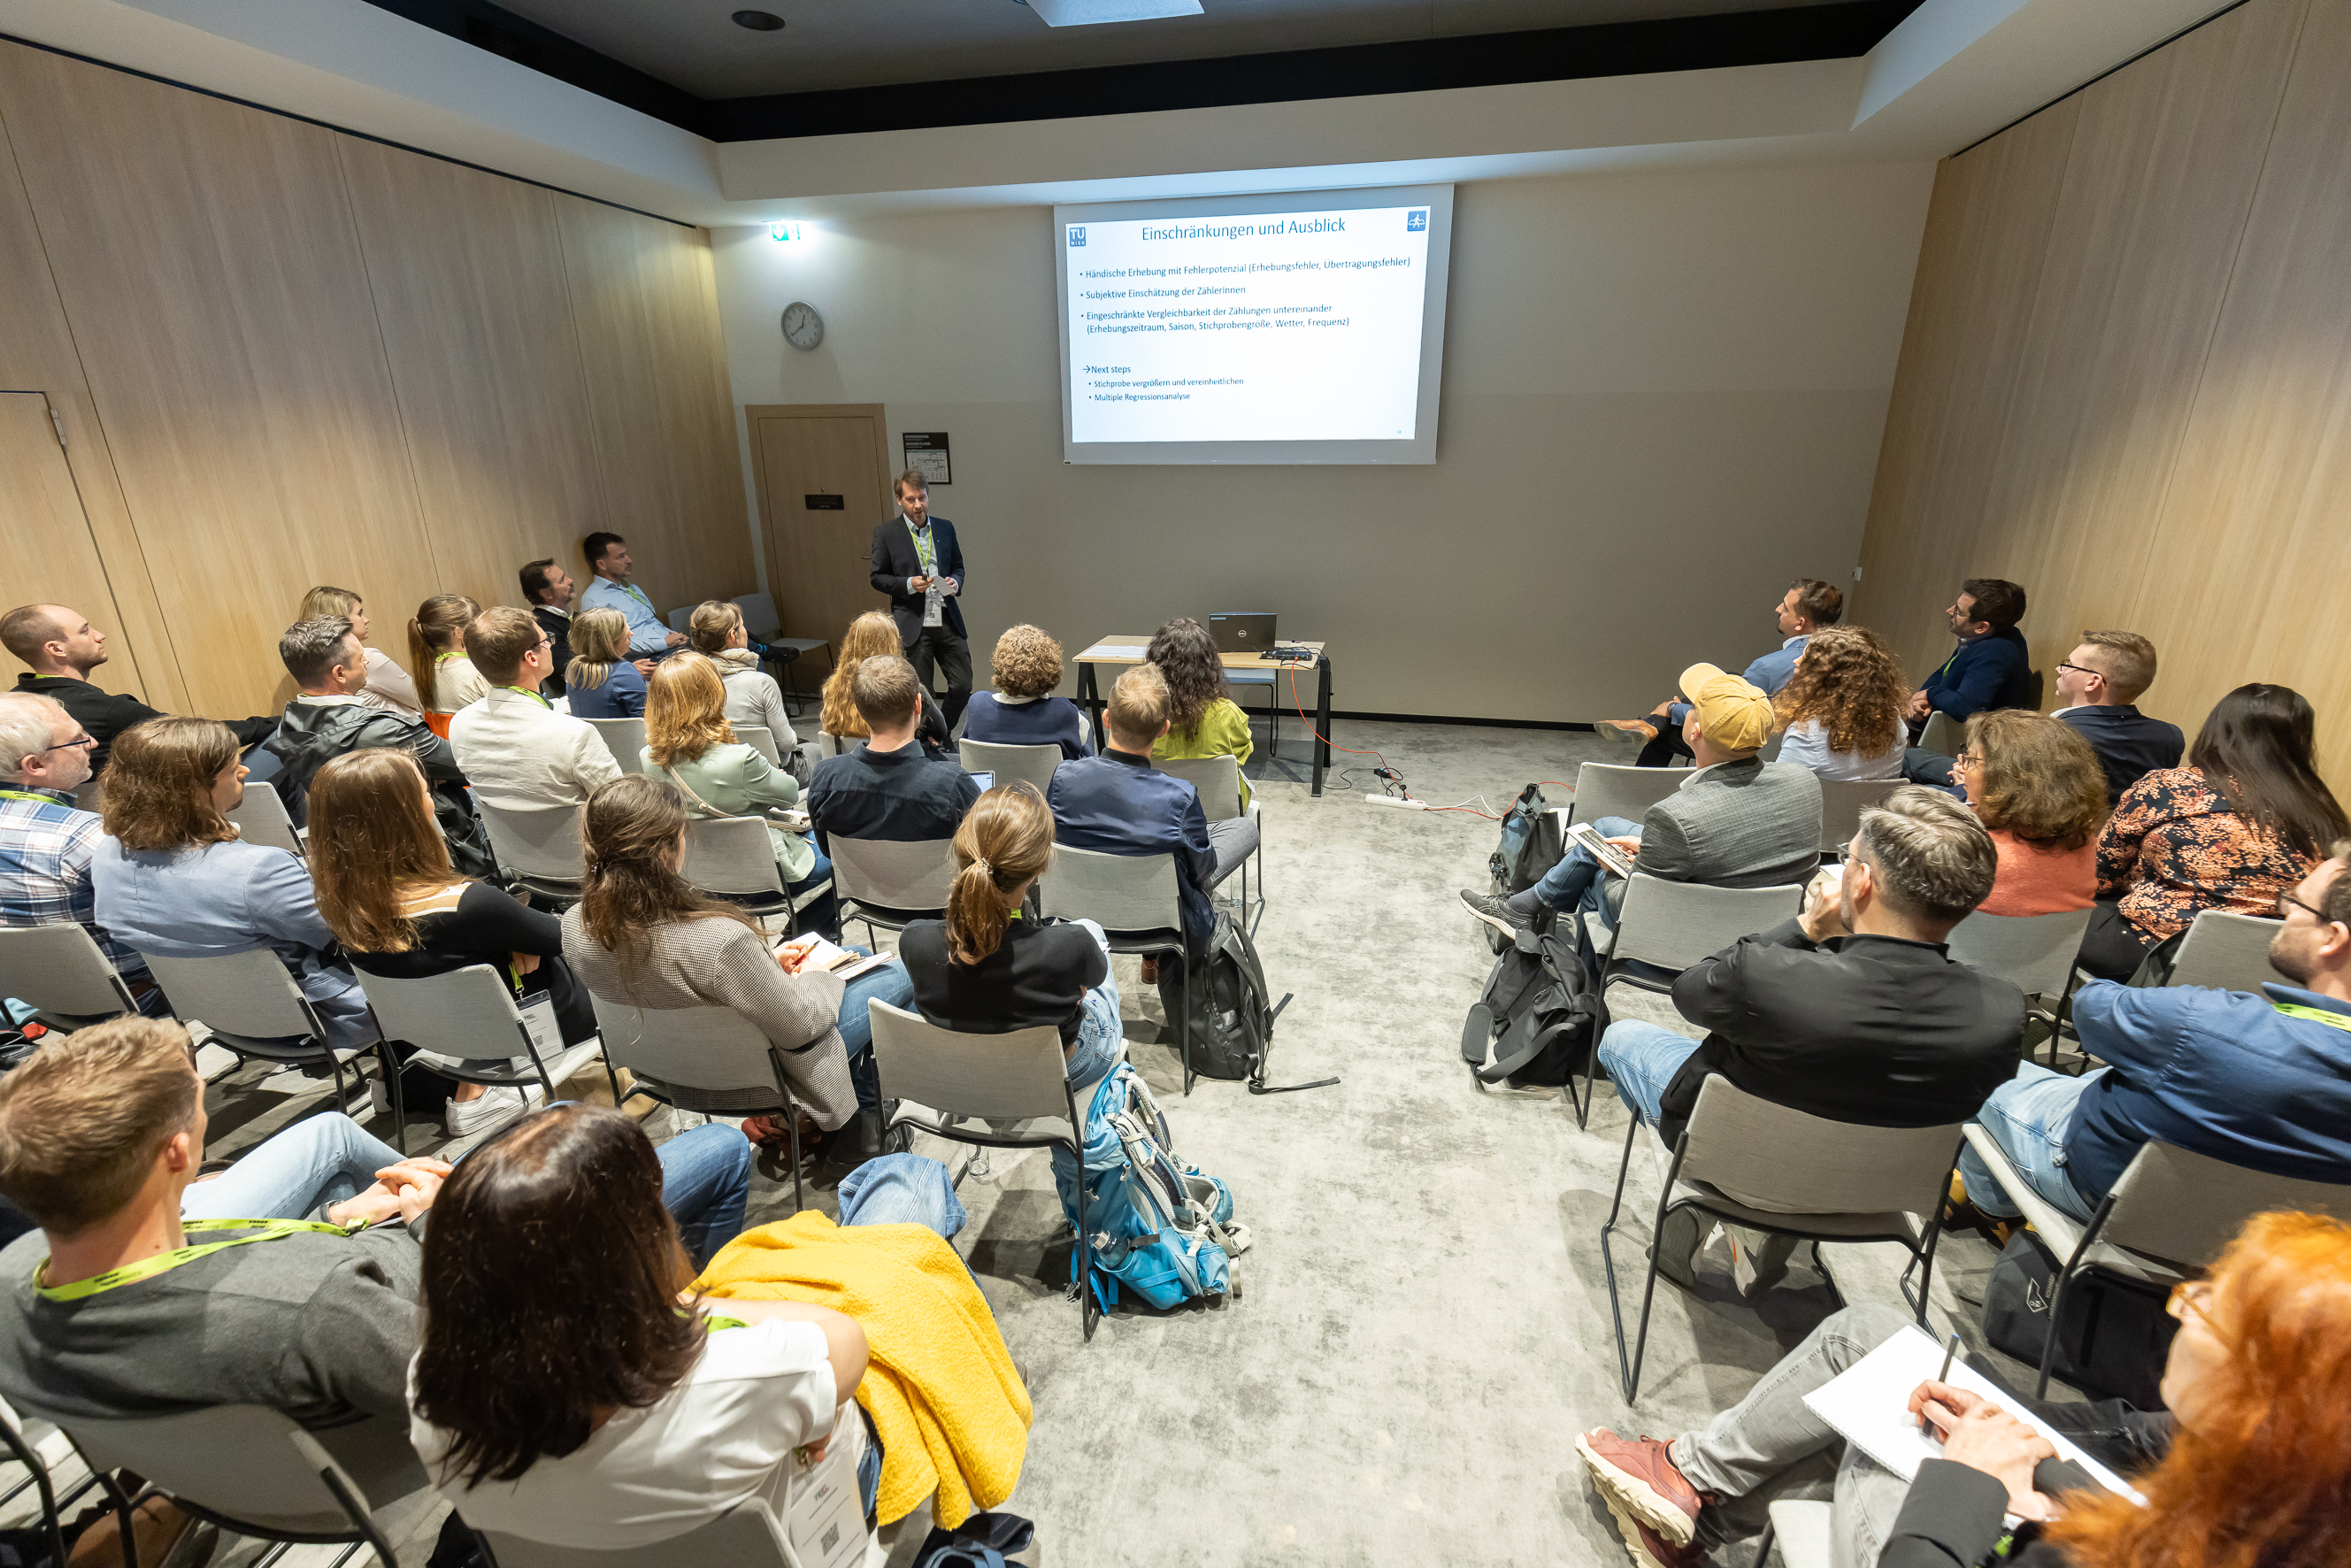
column 1392, row 800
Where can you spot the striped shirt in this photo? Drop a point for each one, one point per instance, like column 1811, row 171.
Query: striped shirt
column 46, row 847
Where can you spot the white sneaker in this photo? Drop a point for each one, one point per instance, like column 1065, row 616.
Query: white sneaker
column 379, row 1101
column 497, row 1106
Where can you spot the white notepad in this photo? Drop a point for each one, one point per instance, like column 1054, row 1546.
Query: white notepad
column 1116, row 651
column 1869, row 1403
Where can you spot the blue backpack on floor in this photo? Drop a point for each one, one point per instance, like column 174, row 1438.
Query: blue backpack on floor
column 1160, row 1227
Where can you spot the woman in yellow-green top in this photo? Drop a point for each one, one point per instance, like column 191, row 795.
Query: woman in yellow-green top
column 1203, row 720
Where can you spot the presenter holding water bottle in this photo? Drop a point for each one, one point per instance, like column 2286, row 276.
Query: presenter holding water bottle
column 918, row 564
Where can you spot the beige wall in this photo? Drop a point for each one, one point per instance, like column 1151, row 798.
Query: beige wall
column 1663, row 397
column 285, row 356
column 2126, row 379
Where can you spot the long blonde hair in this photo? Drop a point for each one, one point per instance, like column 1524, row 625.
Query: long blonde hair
column 629, row 892
column 713, row 625
column 438, row 626
column 872, row 635
column 685, row 709
column 1004, row 839
column 600, row 640
column 373, row 841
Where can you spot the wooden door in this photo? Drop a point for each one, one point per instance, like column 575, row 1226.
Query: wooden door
column 823, row 474
column 50, row 555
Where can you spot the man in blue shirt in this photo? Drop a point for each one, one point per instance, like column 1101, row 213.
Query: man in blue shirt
column 1991, row 667
column 608, row 558
column 46, row 843
column 2263, row 1082
column 1119, row 804
column 2096, row 685
column 1807, row 606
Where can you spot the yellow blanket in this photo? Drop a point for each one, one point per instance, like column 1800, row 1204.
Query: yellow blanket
column 940, row 1385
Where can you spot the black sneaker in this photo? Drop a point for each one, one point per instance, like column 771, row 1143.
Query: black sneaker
column 1495, row 912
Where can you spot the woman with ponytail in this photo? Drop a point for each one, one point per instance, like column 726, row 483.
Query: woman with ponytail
column 445, row 678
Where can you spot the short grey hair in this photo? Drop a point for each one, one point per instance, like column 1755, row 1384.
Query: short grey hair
column 1931, row 857
column 26, row 720
column 311, row 648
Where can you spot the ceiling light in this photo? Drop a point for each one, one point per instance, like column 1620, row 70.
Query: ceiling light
column 759, row 21
column 1084, row 12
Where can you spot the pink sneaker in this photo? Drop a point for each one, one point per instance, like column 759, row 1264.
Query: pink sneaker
column 1637, row 1481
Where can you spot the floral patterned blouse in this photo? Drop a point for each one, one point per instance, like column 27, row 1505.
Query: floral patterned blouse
column 2173, row 847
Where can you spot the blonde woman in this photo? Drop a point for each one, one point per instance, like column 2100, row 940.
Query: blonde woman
column 1022, row 710
column 387, row 686
column 600, row 679
column 716, row 632
column 445, row 679
column 873, row 635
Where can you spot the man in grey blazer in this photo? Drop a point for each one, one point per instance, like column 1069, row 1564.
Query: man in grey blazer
column 1736, row 822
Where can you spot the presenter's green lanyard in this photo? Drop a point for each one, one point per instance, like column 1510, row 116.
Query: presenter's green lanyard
column 2315, row 1015
column 165, row 1263
column 923, row 548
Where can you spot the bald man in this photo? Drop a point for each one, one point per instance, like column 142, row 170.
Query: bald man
column 63, row 648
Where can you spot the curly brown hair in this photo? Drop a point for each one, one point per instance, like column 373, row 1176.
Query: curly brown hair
column 1847, row 680
column 1186, row 655
column 2040, row 779
column 1028, row 663
column 871, row 635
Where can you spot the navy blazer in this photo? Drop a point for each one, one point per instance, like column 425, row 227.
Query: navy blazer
column 2129, row 744
column 894, row 560
column 1121, row 805
column 1989, row 672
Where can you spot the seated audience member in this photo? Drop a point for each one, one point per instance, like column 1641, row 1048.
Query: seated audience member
column 603, row 682
column 608, row 559
column 2037, row 788
column 63, row 648
column 875, row 635
column 1022, row 710
column 547, row 588
column 891, row 786
column 640, row 937
column 1853, row 1011
column 1736, row 822
column 46, row 843
column 2229, row 1468
column 173, row 881
column 445, row 678
column 718, row 633
column 388, row 684
column 387, row 891
column 2259, row 1081
column 521, row 754
column 2098, row 684
column 689, row 742
column 1843, row 708
column 1989, row 668
column 1203, row 720
column 1808, row 606
column 2242, row 822
column 328, row 720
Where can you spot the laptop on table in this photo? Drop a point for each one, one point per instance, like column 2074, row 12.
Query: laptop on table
column 1242, row 631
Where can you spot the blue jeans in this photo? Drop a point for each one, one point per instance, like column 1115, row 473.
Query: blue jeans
column 902, row 1189
column 1099, row 1031
column 824, row 914
column 2028, row 1117
column 1641, row 1060
column 318, row 1160
column 705, row 1185
column 888, row 983
column 1577, row 872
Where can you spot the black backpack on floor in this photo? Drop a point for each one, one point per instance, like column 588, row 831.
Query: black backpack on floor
column 1530, row 845
column 1232, row 1008
column 1539, row 1018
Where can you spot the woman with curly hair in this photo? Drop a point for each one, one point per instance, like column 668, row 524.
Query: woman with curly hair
column 1022, row 710
column 873, row 635
column 1842, row 709
column 2040, row 792
column 1203, row 720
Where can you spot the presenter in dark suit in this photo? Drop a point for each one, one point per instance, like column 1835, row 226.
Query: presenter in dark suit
column 908, row 551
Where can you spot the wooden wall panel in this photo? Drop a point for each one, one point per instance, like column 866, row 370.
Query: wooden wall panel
column 646, row 303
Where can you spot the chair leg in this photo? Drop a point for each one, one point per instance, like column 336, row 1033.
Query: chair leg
column 1764, row 1544
column 24, row 1455
column 1088, row 1309
column 2049, row 1345
column 1629, row 1370
column 1184, row 1022
column 391, row 1091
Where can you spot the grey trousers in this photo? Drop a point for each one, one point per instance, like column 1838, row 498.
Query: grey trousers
column 1234, row 840
column 1773, row 1428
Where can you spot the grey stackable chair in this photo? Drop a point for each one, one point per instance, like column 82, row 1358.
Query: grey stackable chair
column 993, row 1090
column 712, row 1060
column 734, row 858
column 761, row 739
column 2166, row 1216
column 1033, row 763
column 1616, row 790
column 2226, row 951
column 1842, row 803
column 1217, row 780
column 260, row 818
column 892, row 884
column 1944, row 736
column 2034, row 953
column 464, row 1025
column 1138, row 901
column 256, row 1012
column 748, row 1535
column 762, row 621
column 22, row 1443
column 538, row 847
column 831, row 745
column 1751, row 1162
column 682, row 617
column 625, row 739
column 1801, row 1528
column 60, row 971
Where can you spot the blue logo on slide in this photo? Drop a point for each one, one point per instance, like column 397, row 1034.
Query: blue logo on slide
column 1415, row 221
column 1077, row 236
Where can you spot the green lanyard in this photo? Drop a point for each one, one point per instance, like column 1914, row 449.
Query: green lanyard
column 923, row 548
column 452, row 654
column 2315, row 1015
column 634, row 592
column 164, row 1262
column 36, row 797
column 712, row 1322
column 533, row 695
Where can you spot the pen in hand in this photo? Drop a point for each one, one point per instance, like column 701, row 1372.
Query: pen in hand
column 1944, row 1375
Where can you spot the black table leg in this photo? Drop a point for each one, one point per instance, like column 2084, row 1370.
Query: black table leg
column 1323, row 706
column 1090, row 700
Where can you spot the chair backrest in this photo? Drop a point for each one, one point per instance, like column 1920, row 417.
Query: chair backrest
column 1218, row 779
column 831, row 745
column 1118, row 893
column 261, row 819
column 1769, row 1156
column 625, row 739
column 247, row 993
column 759, row 617
column 541, row 842
column 694, row 1048
column 252, row 1464
column 682, row 617
column 2185, row 1208
column 731, row 854
column 1610, row 789
column 468, row 1013
column 1944, row 734
column 2033, row 952
column 891, row 875
column 761, row 739
column 1034, row 763
column 746, row 1536
column 1842, row 801
column 2225, row 950
column 1012, row 1075
column 60, row 970
column 1676, row 924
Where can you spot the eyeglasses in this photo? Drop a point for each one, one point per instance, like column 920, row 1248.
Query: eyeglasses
column 84, row 742
column 2080, row 669
column 1966, row 762
column 2286, row 899
column 2190, row 1296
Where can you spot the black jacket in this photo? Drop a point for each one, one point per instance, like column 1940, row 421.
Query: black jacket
column 106, row 714
column 1870, row 1030
column 558, row 627
column 2129, row 744
column 1952, row 1515
column 312, row 735
column 893, row 561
